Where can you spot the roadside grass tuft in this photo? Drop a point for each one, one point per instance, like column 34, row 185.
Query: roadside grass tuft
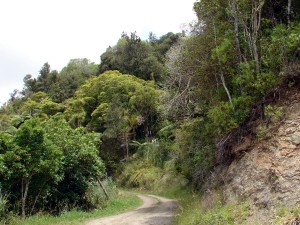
column 197, row 209
column 194, row 210
column 121, row 203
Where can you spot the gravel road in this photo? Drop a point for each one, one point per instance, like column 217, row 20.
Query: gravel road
column 154, row 211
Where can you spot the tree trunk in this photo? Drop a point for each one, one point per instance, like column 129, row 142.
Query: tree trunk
column 127, row 145
column 125, row 140
column 255, row 35
column 36, row 198
column 236, row 30
column 221, row 71
column 289, row 11
column 24, row 192
column 103, row 188
column 33, row 206
column 234, row 9
column 255, row 53
column 248, row 39
column 225, row 86
column 251, row 30
column 256, row 22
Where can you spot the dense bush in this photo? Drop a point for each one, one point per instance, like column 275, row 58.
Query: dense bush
column 48, row 165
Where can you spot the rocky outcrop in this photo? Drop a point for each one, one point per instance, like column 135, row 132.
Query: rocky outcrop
column 268, row 174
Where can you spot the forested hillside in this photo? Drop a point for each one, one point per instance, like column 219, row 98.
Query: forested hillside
column 154, row 114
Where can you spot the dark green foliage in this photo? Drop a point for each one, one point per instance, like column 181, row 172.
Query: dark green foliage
column 133, row 56
column 48, row 166
column 162, row 45
column 118, row 105
column 29, row 158
column 45, row 78
column 29, row 85
column 71, row 77
column 194, row 151
column 60, row 86
column 276, row 11
column 81, row 164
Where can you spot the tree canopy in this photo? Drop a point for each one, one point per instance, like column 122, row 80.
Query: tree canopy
column 134, row 56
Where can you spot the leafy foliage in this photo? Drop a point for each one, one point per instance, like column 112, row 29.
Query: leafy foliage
column 133, row 56
column 29, row 157
column 118, row 105
column 50, row 163
column 81, row 164
column 169, row 118
column 60, row 86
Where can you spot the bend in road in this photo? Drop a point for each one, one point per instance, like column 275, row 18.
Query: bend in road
column 154, row 211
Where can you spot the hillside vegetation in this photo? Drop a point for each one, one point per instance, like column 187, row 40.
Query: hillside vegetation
column 157, row 114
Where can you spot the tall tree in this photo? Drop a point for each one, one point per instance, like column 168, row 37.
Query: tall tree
column 119, row 106
column 134, row 56
column 31, row 156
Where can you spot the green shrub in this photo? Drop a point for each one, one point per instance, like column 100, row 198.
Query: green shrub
column 256, row 84
column 280, row 46
column 242, row 108
column 273, row 113
column 222, row 117
column 262, row 132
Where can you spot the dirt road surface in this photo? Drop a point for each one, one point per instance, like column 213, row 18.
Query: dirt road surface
column 154, row 211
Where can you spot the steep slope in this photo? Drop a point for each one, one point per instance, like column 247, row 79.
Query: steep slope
column 267, row 171
column 270, row 171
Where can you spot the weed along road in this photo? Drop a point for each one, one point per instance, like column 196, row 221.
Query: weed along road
column 154, row 211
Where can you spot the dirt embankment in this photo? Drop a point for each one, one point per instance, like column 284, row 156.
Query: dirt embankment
column 269, row 171
column 267, row 174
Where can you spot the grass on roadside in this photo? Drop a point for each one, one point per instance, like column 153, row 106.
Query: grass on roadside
column 122, row 202
column 195, row 209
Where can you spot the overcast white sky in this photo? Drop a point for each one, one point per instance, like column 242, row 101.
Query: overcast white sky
column 33, row 32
